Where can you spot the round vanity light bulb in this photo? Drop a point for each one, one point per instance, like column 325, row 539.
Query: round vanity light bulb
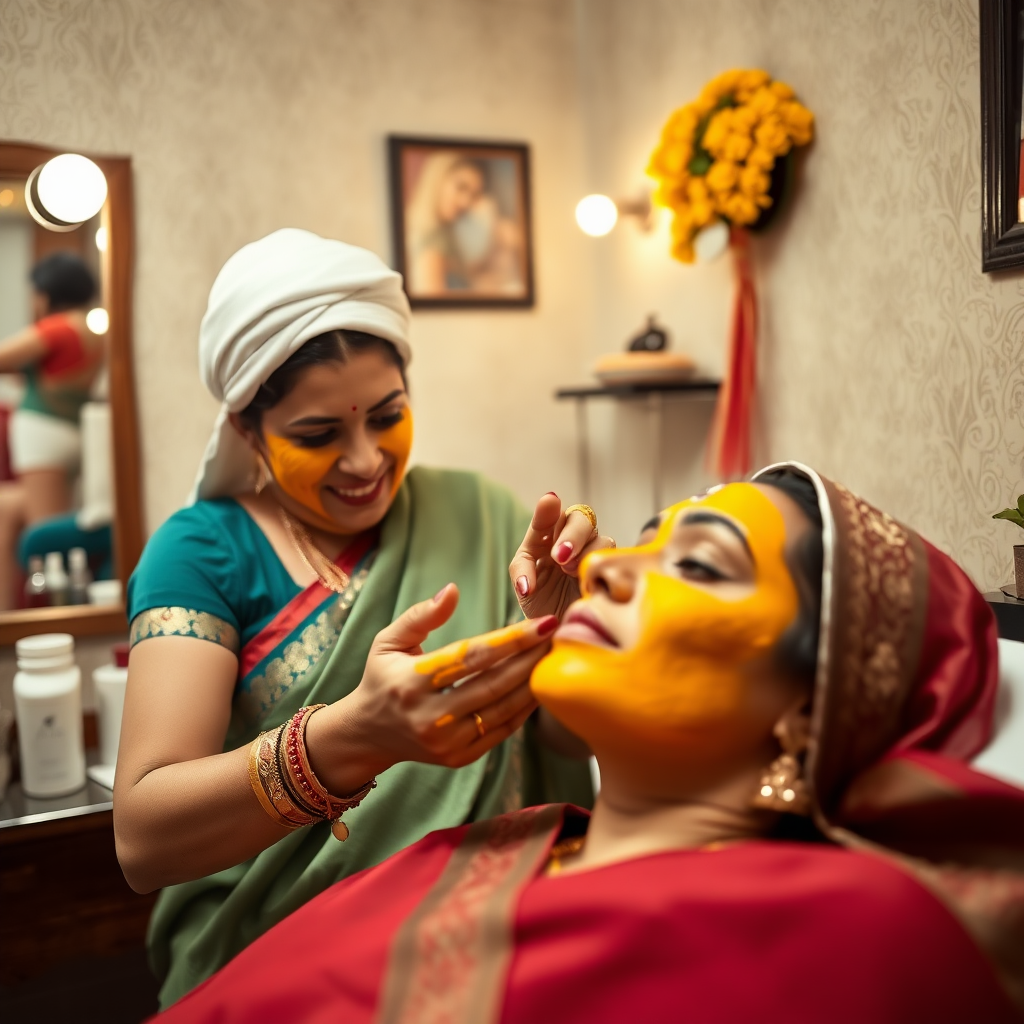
column 71, row 188
column 101, row 239
column 98, row 320
column 596, row 215
column 6, row 197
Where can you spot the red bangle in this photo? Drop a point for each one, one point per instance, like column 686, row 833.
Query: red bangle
column 303, row 784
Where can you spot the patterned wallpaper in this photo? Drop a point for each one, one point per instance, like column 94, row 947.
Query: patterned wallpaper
column 889, row 360
column 242, row 116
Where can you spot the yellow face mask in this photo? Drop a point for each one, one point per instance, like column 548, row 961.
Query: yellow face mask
column 683, row 679
column 300, row 472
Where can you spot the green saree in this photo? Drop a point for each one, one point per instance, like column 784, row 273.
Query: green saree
column 442, row 526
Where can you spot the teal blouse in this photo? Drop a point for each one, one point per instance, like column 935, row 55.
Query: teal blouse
column 211, row 564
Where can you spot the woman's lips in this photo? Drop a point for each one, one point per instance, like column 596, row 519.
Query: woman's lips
column 367, row 494
column 583, row 626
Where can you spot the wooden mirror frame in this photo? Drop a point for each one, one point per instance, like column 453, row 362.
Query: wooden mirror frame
column 19, row 159
column 1002, row 233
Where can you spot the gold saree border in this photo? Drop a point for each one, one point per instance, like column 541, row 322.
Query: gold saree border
column 450, row 958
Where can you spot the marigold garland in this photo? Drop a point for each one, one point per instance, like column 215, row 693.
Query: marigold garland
column 716, row 154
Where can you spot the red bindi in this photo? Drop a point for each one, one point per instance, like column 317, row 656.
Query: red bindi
column 353, row 408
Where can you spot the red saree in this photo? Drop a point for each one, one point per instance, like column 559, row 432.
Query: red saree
column 760, row 931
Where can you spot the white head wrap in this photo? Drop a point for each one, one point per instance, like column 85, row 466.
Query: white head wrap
column 269, row 299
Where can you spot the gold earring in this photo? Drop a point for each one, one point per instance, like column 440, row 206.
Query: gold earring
column 782, row 788
column 263, row 475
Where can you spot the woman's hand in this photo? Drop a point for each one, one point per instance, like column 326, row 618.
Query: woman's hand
column 407, row 708
column 545, row 569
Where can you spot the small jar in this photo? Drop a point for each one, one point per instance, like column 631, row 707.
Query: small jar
column 109, row 682
column 48, row 706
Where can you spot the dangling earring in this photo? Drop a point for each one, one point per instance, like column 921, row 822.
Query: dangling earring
column 263, row 474
column 782, row 787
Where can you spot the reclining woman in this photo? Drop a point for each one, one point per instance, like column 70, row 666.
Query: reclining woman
column 305, row 538
column 783, row 687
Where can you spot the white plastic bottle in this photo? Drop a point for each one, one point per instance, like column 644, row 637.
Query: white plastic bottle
column 48, row 705
column 110, row 682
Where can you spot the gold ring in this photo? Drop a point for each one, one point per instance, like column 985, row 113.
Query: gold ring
column 585, row 510
column 480, row 727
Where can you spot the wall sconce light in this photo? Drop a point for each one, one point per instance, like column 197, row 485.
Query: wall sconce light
column 596, row 214
column 65, row 191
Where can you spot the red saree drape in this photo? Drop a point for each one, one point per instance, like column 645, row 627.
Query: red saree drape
column 765, row 931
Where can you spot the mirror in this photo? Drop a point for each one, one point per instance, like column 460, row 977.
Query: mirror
column 70, row 515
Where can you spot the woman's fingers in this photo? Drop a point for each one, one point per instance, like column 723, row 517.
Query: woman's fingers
column 448, row 665
column 490, row 739
column 465, row 730
column 490, row 686
column 576, row 533
column 536, row 544
column 413, row 626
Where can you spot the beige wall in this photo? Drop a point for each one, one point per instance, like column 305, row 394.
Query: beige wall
column 243, row 116
column 888, row 359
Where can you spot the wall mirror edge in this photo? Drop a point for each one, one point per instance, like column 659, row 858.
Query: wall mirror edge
column 19, row 159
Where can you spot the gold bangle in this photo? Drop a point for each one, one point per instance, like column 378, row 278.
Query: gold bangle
column 266, row 782
column 585, row 510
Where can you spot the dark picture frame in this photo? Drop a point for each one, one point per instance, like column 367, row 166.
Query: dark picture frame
column 461, row 225
column 1002, row 80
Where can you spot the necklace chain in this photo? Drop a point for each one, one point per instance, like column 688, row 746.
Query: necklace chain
column 313, row 558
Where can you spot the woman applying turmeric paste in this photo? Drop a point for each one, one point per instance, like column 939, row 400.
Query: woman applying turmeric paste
column 306, row 540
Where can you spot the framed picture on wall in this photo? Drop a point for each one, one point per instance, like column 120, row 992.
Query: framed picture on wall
column 1002, row 133
column 460, row 215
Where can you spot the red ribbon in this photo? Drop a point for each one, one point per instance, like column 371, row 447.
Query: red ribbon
column 729, row 453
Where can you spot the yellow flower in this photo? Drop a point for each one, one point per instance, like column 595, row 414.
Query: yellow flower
column 744, row 119
column 762, row 122
column 771, row 134
column 783, row 91
column 722, row 176
column 750, row 81
column 764, row 102
column 683, row 251
column 717, row 132
column 761, row 158
column 754, row 182
column 737, row 147
column 799, row 121
column 721, row 85
column 740, row 209
column 670, row 160
column 697, row 190
column 702, row 213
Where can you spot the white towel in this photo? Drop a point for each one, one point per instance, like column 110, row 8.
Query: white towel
column 269, row 299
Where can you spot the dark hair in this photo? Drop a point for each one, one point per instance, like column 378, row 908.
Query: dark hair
column 798, row 646
column 332, row 347
column 65, row 280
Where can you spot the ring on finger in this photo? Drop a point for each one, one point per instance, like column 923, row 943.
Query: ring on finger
column 584, row 510
column 480, row 727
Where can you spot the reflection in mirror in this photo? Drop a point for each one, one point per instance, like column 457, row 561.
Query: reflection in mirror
column 56, row 496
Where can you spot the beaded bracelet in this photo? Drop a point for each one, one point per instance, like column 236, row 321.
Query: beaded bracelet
column 284, row 781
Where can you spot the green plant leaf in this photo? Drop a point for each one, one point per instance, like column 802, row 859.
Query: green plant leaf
column 1012, row 515
column 701, row 163
column 1020, row 504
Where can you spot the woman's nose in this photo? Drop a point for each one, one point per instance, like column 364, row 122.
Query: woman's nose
column 614, row 573
column 362, row 457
